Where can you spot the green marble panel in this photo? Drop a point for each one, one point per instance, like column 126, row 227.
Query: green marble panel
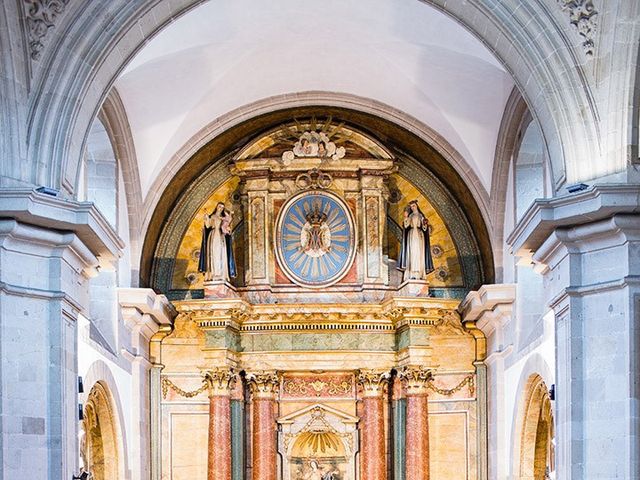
column 317, row 341
column 237, row 439
column 399, row 435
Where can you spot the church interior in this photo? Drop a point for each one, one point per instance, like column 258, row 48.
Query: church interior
column 338, row 240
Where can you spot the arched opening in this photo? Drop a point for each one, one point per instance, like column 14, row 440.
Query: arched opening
column 99, row 447
column 535, row 459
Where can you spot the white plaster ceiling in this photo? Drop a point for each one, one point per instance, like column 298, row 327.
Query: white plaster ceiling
column 229, row 53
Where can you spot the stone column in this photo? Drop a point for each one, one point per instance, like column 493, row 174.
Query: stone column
column 237, row 431
column 399, row 430
column 490, row 308
column 44, row 277
column 415, row 380
column 586, row 247
column 220, row 383
column 373, row 459
column 264, row 386
column 144, row 313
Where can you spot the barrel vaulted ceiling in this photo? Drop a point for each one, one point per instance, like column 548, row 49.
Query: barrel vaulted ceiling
column 224, row 55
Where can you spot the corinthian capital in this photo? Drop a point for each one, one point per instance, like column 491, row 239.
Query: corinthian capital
column 220, row 381
column 263, row 384
column 373, row 381
column 415, row 379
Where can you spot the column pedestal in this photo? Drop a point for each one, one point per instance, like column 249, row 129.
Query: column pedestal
column 264, row 386
column 373, row 462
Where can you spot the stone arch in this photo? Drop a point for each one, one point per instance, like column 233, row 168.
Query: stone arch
column 332, row 99
column 100, row 449
column 104, row 37
column 534, row 452
column 100, row 373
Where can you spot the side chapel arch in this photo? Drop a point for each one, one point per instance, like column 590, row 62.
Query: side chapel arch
column 534, row 447
column 100, row 445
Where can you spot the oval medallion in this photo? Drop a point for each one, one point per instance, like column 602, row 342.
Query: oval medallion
column 315, row 239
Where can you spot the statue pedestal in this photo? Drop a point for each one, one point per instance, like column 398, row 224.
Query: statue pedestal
column 219, row 289
column 413, row 288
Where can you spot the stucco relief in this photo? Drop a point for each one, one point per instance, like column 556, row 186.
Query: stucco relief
column 41, row 16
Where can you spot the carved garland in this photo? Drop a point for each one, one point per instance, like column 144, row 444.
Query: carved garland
column 168, row 384
column 303, row 387
column 468, row 380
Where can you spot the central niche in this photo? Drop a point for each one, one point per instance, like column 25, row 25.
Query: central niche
column 315, row 239
column 318, row 443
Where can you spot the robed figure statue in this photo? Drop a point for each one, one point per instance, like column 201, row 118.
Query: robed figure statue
column 415, row 253
column 216, row 250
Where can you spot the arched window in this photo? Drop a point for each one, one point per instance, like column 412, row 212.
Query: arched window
column 529, row 168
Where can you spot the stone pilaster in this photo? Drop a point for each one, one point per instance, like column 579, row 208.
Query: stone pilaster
column 399, row 430
column 373, row 457
column 415, row 382
column 264, row 387
column 44, row 286
column 220, row 383
column 490, row 309
column 586, row 247
column 144, row 313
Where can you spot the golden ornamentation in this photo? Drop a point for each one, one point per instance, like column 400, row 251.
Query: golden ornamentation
column 220, row 381
column 304, row 387
column 449, row 322
column 395, row 314
column 168, row 384
column 373, row 381
column 416, row 379
column 468, row 380
column 263, row 384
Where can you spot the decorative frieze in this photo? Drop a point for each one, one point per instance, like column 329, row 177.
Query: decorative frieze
column 319, row 386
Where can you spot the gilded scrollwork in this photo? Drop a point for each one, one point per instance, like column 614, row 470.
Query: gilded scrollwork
column 317, row 387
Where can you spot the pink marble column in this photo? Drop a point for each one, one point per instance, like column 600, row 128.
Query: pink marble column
column 415, row 381
column 373, row 457
column 264, row 386
column 220, row 383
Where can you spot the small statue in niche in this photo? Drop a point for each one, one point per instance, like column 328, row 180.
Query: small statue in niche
column 415, row 252
column 216, row 249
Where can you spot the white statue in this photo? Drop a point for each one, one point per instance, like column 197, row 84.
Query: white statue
column 415, row 254
column 216, row 251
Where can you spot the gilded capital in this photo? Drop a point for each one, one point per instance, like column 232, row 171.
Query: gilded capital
column 263, row 384
column 373, row 381
column 220, row 381
column 415, row 379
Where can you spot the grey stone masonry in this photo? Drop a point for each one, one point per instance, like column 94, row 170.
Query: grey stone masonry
column 587, row 247
column 44, row 276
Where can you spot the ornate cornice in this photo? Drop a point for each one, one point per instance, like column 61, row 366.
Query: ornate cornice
column 264, row 384
column 373, row 382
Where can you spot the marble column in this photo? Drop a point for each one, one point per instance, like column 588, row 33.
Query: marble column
column 373, row 457
column 264, row 386
column 237, row 431
column 415, row 381
column 220, row 383
column 399, row 430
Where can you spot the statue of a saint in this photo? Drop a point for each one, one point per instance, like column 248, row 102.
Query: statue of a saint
column 216, row 250
column 415, row 254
